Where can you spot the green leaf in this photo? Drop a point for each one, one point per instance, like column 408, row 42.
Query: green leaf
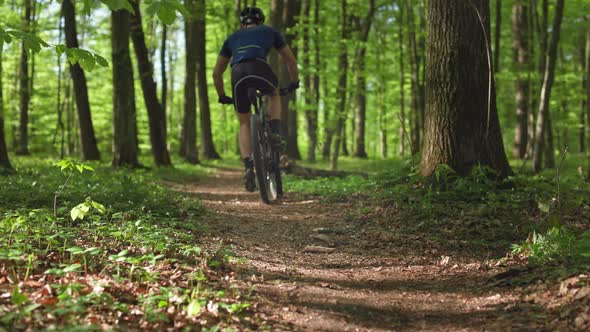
column 73, row 268
column 79, row 211
column 18, row 298
column 85, row 59
column 101, row 62
column 75, row 250
column 194, row 308
column 166, row 14
column 55, row 271
column 99, row 207
column 60, row 49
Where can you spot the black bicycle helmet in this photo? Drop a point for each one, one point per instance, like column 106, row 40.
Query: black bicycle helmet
column 251, row 15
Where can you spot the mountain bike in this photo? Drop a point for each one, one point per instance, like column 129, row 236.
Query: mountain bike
column 266, row 159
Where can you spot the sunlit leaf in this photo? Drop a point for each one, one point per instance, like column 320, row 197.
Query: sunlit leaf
column 18, row 298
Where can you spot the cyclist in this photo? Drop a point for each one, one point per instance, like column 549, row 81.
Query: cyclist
column 247, row 50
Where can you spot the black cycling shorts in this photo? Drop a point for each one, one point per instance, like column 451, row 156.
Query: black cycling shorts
column 255, row 73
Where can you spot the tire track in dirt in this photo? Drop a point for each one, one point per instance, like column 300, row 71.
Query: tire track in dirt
column 353, row 288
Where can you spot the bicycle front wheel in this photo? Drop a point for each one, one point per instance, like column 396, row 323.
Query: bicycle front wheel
column 259, row 155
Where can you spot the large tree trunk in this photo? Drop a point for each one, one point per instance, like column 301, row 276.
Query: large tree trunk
column 24, row 89
column 4, row 161
column 361, row 98
column 88, row 139
column 542, row 130
column 288, row 111
column 207, row 147
column 341, row 90
column 188, row 145
column 498, row 34
column 520, row 45
column 416, row 84
column 124, row 121
column 461, row 126
column 156, row 115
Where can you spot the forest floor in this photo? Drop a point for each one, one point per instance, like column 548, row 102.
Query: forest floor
column 343, row 266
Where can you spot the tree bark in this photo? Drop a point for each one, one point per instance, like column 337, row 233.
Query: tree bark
column 4, row 160
column 361, row 98
column 341, row 89
column 521, row 58
column 88, row 139
column 498, row 34
column 207, row 146
column 124, row 121
column 461, row 125
column 542, row 129
column 156, row 115
column 188, row 144
column 24, row 86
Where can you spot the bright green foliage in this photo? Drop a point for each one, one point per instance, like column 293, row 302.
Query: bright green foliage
column 87, row 252
column 556, row 244
column 31, row 41
column 166, row 10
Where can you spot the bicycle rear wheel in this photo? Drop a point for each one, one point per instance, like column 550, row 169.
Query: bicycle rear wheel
column 259, row 156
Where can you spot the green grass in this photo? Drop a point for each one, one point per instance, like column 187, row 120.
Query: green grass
column 138, row 260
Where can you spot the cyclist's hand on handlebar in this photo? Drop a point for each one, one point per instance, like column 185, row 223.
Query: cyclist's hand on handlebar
column 226, row 100
column 292, row 87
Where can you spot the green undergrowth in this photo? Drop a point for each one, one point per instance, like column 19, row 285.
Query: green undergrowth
column 83, row 246
column 471, row 216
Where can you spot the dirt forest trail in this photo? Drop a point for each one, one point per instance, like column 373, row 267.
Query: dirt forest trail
column 314, row 268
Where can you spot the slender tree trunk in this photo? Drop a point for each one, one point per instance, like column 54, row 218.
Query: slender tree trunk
column 163, row 71
column 156, row 115
column 587, row 71
column 25, row 94
column 381, row 105
column 4, row 160
column 89, row 145
column 520, row 24
column 585, row 115
column 311, row 111
column 288, row 112
column 361, row 99
column 531, row 69
column 548, row 78
column 498, row 35
column 341, row 90
column 207, row 146
column 461, row 128
column 417, row 111
column 189, row 128
column 124, row 122
column 402, row 81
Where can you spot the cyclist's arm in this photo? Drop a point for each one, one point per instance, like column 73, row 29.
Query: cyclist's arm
column 289, row 59
column 220, row 67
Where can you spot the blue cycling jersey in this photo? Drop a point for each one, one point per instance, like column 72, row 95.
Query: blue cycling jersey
column 252, row 43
